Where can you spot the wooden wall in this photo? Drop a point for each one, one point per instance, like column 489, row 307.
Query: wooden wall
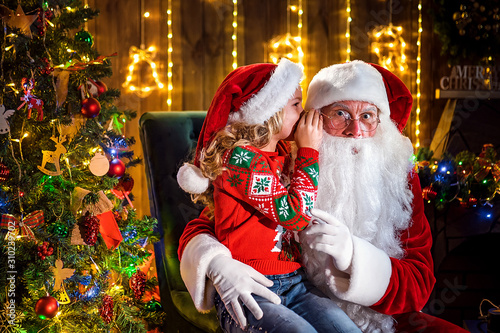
column 202, row 49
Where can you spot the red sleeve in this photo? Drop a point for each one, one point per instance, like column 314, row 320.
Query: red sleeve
column 250, row 177
column 201, row 225
column 412, row 277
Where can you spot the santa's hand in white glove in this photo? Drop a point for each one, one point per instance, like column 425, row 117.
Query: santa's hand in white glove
column 235, row 283
column 328, row 235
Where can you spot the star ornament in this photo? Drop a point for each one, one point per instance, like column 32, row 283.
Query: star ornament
column 21, row 21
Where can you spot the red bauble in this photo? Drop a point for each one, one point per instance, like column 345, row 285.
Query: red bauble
column 46, row 307
column 101, row 87
column 125, row 184
column 91, row 107
column 116, row 168
column 429, row 193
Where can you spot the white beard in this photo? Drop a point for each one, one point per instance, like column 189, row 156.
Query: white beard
column 364, row 184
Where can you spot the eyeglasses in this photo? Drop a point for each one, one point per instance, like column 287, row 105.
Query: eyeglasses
column 341, row 119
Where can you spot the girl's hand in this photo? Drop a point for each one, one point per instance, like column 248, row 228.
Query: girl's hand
column 309, row 131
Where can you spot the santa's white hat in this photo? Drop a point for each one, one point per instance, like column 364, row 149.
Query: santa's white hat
column 250, row 94
column 360, row 81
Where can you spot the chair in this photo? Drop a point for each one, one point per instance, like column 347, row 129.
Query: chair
column 167, row 139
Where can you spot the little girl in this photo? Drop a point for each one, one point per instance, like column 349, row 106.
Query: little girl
column 236, row 173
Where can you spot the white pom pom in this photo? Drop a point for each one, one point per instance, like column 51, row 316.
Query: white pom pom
column 191, row 180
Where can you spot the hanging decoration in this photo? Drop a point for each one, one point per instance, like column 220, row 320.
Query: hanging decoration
column 4, row 123
column 53, row 157
column 99, row 165
column 138, row 283
column 348, row 31
column 419, row 71
column 140, row 58
column 389, row 45
column 24, row 225
column 287, row 45
column 84, row 36
column 46, row 307
column 60, row 274
column 19, row 20
column 4, row 172
column 30, row 100
column 90, row 107
column 106, row 309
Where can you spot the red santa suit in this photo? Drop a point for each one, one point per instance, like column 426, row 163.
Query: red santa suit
column 384, row 289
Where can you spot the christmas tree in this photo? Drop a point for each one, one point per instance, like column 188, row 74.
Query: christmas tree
column 72, row 245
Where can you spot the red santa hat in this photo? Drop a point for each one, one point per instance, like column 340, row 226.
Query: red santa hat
column 250, row 94
column 360, row 81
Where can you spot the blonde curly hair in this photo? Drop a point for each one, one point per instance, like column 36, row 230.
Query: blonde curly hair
column 230, row 137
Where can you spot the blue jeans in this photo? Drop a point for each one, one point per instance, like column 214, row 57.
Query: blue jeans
column 303, row 309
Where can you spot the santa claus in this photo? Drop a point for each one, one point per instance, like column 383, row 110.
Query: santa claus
column 369, row 245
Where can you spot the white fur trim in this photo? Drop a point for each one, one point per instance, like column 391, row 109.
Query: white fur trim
column 194, row 264
column 272, row 97
column 191, row 179
column 351, row 81
column 371, row 272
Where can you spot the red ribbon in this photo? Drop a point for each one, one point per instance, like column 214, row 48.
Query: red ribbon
column 32, row 220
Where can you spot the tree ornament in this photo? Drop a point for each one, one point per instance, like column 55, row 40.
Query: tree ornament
column 21, row 21
column 46, row 307
column 116, row 168
column 153, row 306
column 45, row 250
column 123, row 188
column 91, row 229
column 30, row 100
column 59, row 229
column 76, row 236
column 90, row 107
column 429, row 193
column 138, row 283
column 4, row 172
column 84, row 36
column 60, row 274
column 4, row 124
column 53, row 157
column 106, row 309
column 32, row 220
column 99, row 165
column 101, row 87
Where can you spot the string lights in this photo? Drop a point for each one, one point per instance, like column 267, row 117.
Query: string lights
column 389, row 45
column 234, row 36
column 348, row 31
column 142, row 88
column 288, row 46
column 419, row 70
column 169, row 58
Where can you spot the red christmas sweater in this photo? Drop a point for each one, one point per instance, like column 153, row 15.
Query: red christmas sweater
column 255, row 214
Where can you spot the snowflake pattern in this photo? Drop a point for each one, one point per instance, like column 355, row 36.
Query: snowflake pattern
column 262, row 208
column 240, row 157
column 235, row 180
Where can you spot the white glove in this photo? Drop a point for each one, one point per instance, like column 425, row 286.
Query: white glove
column 235, row 282
column 328, row 235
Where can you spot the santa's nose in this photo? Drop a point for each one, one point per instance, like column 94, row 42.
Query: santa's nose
column 353, row 129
